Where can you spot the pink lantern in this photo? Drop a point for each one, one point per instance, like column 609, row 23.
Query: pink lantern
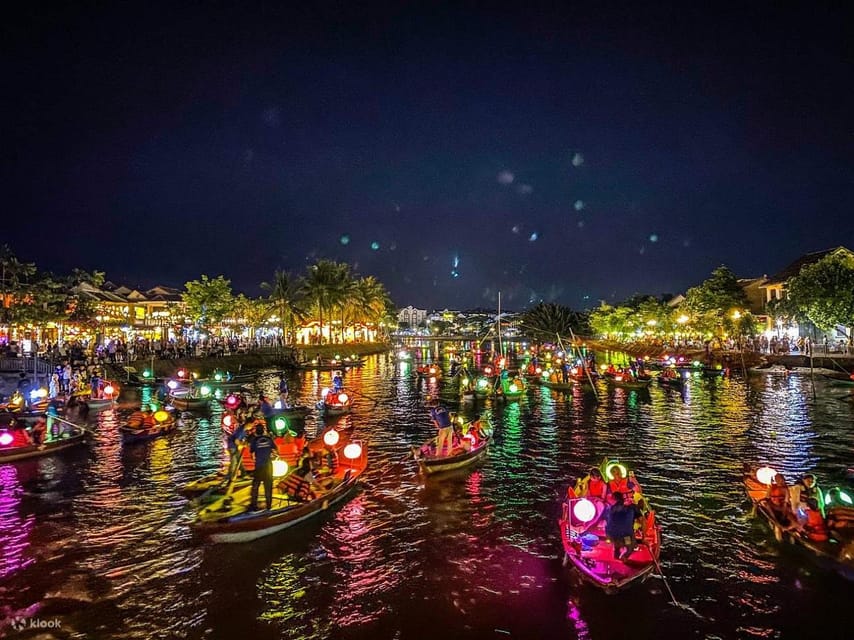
column 6, row 438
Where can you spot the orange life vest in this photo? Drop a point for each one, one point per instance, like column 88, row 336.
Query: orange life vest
column 815, row 527
column 777, row 495
column 596, row 488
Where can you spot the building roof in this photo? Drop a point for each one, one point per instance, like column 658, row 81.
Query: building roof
column 795, row 268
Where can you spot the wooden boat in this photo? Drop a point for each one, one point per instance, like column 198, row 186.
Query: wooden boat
column 837, row 552
column 839, row 381
column 587, row 547
column 627, row 382
column 429, row 371
column 138, row 432
column 13, row 448
column 556, row 386
column 189, row 403
column 459, row 457
column 213, row 487
column 676, row 382
column 511, row 389
column 97, row 404
column 230, row 520
column 335, row 403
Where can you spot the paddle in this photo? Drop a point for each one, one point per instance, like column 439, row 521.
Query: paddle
column 667, row 585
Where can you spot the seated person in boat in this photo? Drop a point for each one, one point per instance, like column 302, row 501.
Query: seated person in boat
column 815, row 527
column 612, row 370
column 593, row 486
column 326, row 467
column 625, row 487
column 620, row 526
column 777, row 500
column 804, row 489
column 300, row 484
column 40, row 431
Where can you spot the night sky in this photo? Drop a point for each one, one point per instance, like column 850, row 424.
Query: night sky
column 565, row 153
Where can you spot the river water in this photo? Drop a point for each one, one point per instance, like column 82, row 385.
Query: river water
column 98, row 539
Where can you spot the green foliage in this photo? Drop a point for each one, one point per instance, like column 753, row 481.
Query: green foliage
column 824, row 292
column 548, row 320
column 286, row 297
column 207, row 300
column 713, row 302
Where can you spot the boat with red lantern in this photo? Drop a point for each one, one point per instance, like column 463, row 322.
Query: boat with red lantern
column 588, row 548
column 625, row 380
column 429, row 371
column 318, row 364
column 229, row 519
column 468, row 448
column 18, row 443
column 670, row 377
column 103, row 397
column 335, row 402
column 147, row 426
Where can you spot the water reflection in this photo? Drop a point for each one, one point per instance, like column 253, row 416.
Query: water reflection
column 476, row 550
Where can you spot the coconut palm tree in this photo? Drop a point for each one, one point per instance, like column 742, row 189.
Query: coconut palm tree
column 548, row 320
column 324, row 286
column 286, row 298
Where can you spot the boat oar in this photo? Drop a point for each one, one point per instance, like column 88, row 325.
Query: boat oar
column 667, row 585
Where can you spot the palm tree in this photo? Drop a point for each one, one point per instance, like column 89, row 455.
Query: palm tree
column 285, row 295
column 14, row 280
column 547, row 320
column 325, row 285
column 371, row 300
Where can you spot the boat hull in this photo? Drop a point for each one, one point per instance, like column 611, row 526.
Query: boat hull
column 35, row 451
column 190, row 404
column 432, row 465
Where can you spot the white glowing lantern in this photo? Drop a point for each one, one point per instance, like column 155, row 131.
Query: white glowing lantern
column 6, row 438
column 765, row 475
column 280, row 468
column 343, row 398
column 277, row 404
column 513, row 388
column 584, row 510
column 109, row 390
column 353, row 451
column 324, row 392
column 172, row 385
column 331, row 437
column 227, row 421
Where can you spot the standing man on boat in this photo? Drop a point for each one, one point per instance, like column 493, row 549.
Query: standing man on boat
column 283, row 391
column 442, row 421
column 262, row 447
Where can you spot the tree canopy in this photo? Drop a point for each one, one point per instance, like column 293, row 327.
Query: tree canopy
column 824, row 292
column 207, row 300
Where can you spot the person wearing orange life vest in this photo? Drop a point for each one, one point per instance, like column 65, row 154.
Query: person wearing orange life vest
column 596, row 486
column 777, row 499
column 626, row 487
column 815, row 527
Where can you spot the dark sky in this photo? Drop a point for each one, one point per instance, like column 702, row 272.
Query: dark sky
column 569, row 153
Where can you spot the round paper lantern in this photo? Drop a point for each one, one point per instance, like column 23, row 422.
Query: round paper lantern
column 6, row 438
column 172, row 385
column 228, row 421
column 765, row 475
column 353, row 451
column 281, row 424
column 280, row 468
column 232, row 401
column 109, row 390
column 331, row 438
column 343, row 398
column 584, row 510
column 182, row 373
column 205, row 390
column 161, row 416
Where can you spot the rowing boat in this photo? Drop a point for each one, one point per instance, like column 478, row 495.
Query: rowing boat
column 140, row 432
column 591, row 552
column 627, row 382
column 13, row 449
column 461, row 456
column 335, row 403
column 230, row 519
column 188, row 403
